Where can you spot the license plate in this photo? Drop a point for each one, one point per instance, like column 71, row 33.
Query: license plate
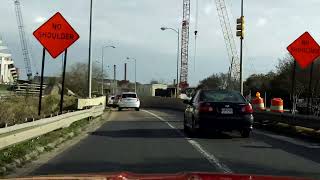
column 226, row 111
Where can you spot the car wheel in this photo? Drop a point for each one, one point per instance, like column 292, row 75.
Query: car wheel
column 185, row 127
column 193, row 131
column 245, row 133
column 137, row 109
column 119, row 109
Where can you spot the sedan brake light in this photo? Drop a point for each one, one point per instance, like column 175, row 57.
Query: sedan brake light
column 205, row 107
column 247, row 109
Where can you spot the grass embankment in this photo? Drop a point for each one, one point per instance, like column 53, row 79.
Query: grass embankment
column 29, row 150
column 16, row 109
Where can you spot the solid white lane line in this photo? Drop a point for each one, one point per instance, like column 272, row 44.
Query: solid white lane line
column 210, row 157
column 288, row 139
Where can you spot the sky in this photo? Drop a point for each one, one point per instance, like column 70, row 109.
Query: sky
column 133, row 26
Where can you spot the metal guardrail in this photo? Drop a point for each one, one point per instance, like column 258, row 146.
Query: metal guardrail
column 22, row 132
column 35, row 122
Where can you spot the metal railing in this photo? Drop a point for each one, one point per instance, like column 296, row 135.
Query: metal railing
column 22, row 132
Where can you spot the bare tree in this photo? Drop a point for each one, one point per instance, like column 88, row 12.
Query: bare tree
column 77, row 78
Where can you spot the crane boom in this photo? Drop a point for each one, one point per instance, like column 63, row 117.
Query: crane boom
column 234, row 69
column 185, row 44
column 23, row 40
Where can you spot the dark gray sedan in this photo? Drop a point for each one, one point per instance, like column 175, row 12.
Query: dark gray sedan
column 218, row 110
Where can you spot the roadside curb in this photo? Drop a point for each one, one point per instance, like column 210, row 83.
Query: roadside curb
column 40, row 150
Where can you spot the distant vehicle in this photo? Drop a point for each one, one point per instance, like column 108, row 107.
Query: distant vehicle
column 219, row 110
column 129, row 100
column 184, row 97
column 116, row 100
column 111, row 101
column 187, row 93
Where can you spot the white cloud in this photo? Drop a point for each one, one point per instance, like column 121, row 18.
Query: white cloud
column 39, row 19
column 261, row 22
column 208, row 8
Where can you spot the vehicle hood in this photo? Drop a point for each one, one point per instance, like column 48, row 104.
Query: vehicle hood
column 179, row 176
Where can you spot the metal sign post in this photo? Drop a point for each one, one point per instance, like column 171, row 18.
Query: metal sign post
column 293, row 84
column 310, row 86
column 63, row 77
column 41, row 81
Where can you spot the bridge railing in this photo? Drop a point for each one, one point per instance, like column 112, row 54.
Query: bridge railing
column 22, row 132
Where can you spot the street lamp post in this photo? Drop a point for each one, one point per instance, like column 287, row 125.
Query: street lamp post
column 135, row 73
column 178, row 48
column 102, row 60
column 89, row 54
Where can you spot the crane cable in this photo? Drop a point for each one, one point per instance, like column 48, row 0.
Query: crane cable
column 196, row 35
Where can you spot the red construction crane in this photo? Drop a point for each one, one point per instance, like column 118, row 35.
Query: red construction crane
column 185, row 45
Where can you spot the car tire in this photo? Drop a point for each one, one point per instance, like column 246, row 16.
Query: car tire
column 137, row 109
column 194, row 132
column 185, row 127
column 119, row 109
column 245, row 133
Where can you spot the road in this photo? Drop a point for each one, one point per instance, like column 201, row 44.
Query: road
column 153, row 142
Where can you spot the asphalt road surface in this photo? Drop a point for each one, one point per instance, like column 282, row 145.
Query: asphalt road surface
column 153, row 142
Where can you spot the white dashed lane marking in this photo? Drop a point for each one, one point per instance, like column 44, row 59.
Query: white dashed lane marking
column 210, row 157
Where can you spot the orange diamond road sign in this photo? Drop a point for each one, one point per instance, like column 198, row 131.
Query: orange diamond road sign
column 56, row 35
column 304, row 50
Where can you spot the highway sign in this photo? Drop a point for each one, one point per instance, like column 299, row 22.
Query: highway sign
column 304, row 50
column 56, row 35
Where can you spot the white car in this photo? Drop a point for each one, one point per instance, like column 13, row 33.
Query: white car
column 111, row 101
column 129, row 100
column 184, row 97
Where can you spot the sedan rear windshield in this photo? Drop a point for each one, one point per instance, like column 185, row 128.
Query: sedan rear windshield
column 222, row 96
column 129, row 96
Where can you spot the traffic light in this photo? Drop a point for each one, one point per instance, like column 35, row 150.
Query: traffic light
column 240, row 27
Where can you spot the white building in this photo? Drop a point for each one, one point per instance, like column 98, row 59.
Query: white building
column 8, row 71
column 149, row 89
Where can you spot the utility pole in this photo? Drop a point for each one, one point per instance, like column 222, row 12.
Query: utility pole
column 240, row 33
column 114, row 78
column 89, row 58
column 135, row 73
column 178, row 52
column 102, row 73
column 102, row 66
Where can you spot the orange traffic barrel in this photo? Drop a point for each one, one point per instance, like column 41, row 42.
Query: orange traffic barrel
column 258, row 104
column 277, row 105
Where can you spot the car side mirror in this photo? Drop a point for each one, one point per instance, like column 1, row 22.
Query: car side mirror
column 186, row 101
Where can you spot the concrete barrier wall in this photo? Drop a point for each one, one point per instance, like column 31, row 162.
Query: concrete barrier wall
column 47, row 125
column 160, row 102
column 82, row 103
column 295, row 120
